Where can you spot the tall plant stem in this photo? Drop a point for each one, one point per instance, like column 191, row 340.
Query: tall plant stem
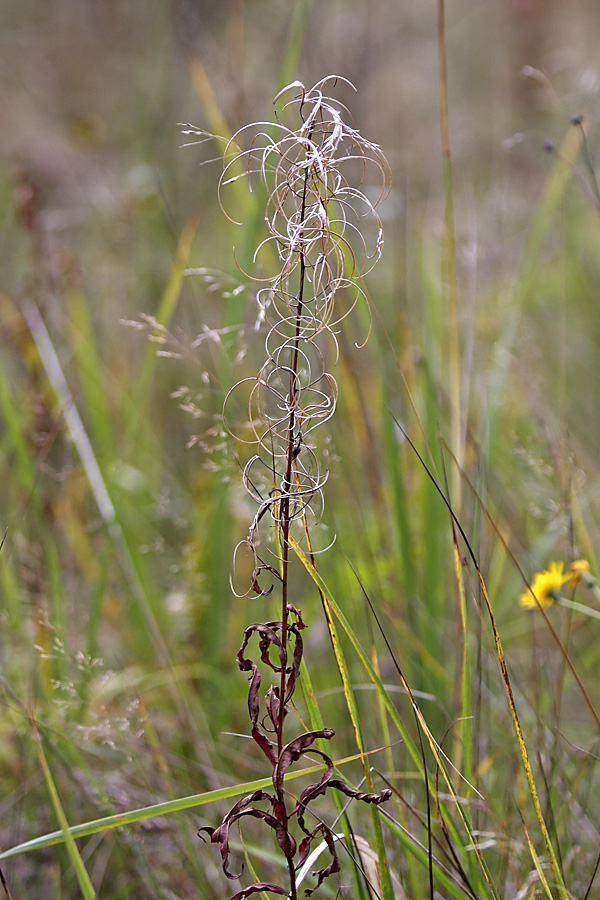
column 285, row 503
column 285, row 519
column 450, row 282
column 304, row 172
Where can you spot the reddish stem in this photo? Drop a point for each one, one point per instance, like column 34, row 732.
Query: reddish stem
column 285, row 521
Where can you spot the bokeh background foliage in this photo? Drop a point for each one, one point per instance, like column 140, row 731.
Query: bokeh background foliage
column 121, row 498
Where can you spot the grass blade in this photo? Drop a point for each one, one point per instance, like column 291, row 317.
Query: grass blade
column 160, row 809
column 83, row 878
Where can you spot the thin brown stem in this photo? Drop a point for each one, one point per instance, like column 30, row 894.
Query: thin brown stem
column 5, row 885
column 285, row 503
column 285, row 522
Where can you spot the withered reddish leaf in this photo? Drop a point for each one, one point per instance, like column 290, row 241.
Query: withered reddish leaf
column 295, row 667
column 326, row 776
column 254, row 709
column 256, row 888
column 267, row 747
column 296, row 748
column 272, row 704
column 304, row 849
column 296, row 612
column 260, row 592
column 220, row 835
column 334, row 865
column 246, row 801
column 267, row 633
column 316, row 790
column 253, row 698
column 263, row 592
column 285, row 840
column 264, row 646
column 358, row 795
column 313, row 790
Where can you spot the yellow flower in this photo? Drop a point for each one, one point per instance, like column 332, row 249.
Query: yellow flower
column 580, row 573
column 546, row 587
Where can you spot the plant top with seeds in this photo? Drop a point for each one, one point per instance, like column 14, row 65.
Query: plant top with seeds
column 323, row 234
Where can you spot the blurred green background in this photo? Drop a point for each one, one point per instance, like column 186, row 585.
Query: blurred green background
column 121, row 500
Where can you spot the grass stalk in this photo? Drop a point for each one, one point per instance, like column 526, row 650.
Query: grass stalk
column 83, row 879
column 450, row 278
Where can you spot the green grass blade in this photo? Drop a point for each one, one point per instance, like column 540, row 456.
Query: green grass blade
column 419, row 852
column 413, row 751
column 384, row 872
column 316, row 724
column 538, row 865
column 396, row 469
column 83, row 878
column 563, row 893
column 130, row 817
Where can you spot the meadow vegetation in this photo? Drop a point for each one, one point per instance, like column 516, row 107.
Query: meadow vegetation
column 452, row 624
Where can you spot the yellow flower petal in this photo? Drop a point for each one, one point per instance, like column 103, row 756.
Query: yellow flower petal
column 545, row 587
column 579, row 569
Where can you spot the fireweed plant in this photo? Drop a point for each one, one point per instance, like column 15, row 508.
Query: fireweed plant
column 317, row 217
